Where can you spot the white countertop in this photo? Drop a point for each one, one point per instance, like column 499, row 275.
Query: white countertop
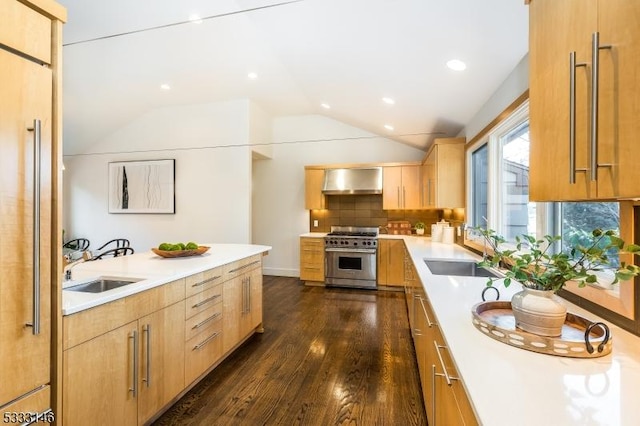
column 511, row 386
column 314, row 234
column 151, row 269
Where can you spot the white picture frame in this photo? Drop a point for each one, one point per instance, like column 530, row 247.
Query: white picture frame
column 142, row 186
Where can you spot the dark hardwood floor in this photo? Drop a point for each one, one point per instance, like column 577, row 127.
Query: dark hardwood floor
column 327, row 357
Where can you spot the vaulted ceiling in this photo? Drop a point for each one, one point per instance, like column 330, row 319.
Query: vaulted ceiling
column 348, row 54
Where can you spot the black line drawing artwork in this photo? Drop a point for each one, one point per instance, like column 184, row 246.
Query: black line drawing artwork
column 142, row 186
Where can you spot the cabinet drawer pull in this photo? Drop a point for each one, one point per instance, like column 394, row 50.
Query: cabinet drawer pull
column 239, row 268
column 424, row 309
column 205, row 301
column 205, row 341
column 203, row 322
column 445, row 374
column 208, row 280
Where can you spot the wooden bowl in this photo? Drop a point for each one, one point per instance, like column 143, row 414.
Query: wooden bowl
column 180, row 253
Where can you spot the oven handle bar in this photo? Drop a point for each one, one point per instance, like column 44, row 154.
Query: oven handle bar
column 351, row 250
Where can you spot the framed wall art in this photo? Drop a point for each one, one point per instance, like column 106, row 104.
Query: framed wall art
column 142, row 186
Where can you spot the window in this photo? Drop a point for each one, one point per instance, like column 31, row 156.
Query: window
column 499, row 193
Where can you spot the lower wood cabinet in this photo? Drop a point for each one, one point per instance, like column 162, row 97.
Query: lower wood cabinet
column 125, row 361
column 391, row 254
column 127, row 374
column 446, row 402
column 312, row 259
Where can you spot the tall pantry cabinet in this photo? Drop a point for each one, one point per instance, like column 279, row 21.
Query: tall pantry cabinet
column 30, row 231
column 584, row 58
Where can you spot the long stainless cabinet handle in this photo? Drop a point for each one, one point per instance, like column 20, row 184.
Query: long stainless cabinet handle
column 205, row 341
column 147, row 330
column 205, row 301
column 424, row 309
column 572, row 116
column 595, row 77
column 203, row 322
column 37, row 145
column 208, row 280
column 399, row 199
column 134, row 386
column 239, row 268
column 404, row 197
column 446, row 375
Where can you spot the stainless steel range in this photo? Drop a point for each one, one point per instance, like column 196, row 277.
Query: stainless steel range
column 350, row 257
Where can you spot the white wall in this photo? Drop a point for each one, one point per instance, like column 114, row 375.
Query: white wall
column 515, row 85
column 279, row 213
column 213, row 178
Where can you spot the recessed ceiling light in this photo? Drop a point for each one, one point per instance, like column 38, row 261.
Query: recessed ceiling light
column 456, row 65
column 388, row 101
column 388, row 126
column 252, row 75
column 195, row 18
column 325, row 106
column 165, row 86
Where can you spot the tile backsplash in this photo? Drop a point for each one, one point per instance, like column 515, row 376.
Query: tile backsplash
column 366, row 210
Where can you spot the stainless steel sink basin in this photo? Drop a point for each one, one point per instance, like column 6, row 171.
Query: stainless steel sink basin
column 459, row 268
column 102, row 284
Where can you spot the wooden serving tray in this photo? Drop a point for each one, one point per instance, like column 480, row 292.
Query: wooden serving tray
column 180, row 253
column 495, row 319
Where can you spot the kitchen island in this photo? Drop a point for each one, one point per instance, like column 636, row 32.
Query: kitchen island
column 507, row 385
column 130, row 352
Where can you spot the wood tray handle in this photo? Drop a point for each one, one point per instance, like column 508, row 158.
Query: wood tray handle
column 587, row 332
column 487, row 288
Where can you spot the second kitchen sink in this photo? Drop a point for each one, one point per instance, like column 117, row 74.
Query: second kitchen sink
column 459, row 268
column 102, row 284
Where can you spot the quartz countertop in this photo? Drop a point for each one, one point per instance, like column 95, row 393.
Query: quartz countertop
column 314, row 234
column 511, row 386
column 149, row 269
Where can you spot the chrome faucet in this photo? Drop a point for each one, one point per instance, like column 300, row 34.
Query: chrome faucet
column 86, row 255
column 484, row 239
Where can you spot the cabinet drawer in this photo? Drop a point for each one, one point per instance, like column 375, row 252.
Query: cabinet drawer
column 202, row 351
column 202, row 301
column 203, row 321
column 25, row 30
column 37, row 402
column 203, row 281
column 243, row 266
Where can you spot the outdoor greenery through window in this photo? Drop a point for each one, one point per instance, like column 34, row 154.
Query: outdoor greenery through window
column 499, row 192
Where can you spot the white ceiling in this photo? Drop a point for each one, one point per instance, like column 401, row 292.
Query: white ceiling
column 347, row 53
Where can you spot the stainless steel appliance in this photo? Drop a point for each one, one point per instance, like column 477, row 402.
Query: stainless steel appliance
column 350, row 257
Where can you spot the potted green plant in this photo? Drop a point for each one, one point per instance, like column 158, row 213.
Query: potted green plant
column 543, row 272
column 419, row 228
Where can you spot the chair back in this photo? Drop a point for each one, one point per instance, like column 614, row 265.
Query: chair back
column 115, row 243
column 79, row 244
column 115, row 252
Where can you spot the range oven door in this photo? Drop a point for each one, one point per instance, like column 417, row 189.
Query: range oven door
column 348, row 267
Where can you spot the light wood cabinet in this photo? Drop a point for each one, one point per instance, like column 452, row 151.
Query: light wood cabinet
column 604, row 162
column 443, row 174
column 242, row 298
column 161, row 359
column 314, row 199
column 391, row 254
column 100, row 378
column 401, row 187
column 312, row 259
column 30, row 126
column 446, row 402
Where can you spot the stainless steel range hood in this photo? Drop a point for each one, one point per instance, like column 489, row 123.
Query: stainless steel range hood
column 366, row 180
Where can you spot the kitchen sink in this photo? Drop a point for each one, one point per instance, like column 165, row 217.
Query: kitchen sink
column 102, row 284
column 459, row 268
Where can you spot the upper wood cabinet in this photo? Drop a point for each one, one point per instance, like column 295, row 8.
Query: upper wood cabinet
column 443, row 174
column 401, row 187
column 314, row 199
column 583, row 147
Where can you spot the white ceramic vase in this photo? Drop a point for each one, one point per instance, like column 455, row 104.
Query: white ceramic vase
column 538, row 312
column 420, row 231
